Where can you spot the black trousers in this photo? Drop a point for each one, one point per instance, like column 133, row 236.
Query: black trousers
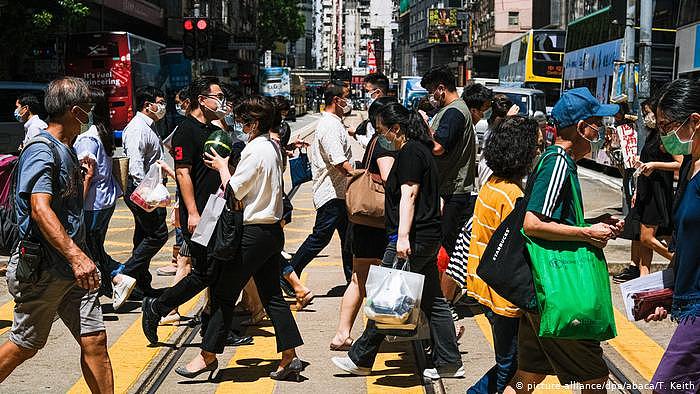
column 433, row 303
column 457, row 210
column 150, row 235
column 260, row 250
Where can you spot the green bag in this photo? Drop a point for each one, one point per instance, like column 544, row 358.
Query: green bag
column 572, row 285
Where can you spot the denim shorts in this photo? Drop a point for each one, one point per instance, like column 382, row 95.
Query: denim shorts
column 36, row 304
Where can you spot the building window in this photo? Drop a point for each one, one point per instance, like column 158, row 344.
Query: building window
column 513, row 18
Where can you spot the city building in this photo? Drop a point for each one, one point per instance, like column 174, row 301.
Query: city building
column 430, row 33
column 383, row 27
column 302, row 49
column 687, row 51
column 496, row 23
column 328, row 33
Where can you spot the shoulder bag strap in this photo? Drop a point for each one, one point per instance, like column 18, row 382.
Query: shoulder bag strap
column 370, row 152
column 578, row 204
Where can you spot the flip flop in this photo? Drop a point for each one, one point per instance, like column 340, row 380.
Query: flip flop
column 344, row 347
column 303, row 302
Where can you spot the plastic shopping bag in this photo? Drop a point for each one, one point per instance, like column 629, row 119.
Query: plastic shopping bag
column 572, row 286
column 207, row 222
column 151, row 193
column 393, row 297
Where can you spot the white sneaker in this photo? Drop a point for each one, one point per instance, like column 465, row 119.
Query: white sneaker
column 170, row 319
column 122, row 291
column 346, row 364
column 445, row 372
column 286, row 255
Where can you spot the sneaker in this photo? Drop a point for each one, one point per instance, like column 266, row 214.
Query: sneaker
column 168, row 270
column 629, row 273
column 447, row 371
column 122, row 290
column 170, row 319
column 149, row 320
column 347, row 365
column 286, row 255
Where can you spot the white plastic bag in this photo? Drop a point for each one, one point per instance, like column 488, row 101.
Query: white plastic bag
column 207, row 222
column 394, row 296
column 151, row 193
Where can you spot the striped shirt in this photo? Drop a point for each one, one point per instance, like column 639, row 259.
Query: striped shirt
column 551, row 194
column 495, row 202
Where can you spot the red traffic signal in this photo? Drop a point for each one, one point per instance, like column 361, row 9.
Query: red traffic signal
column 202, row 24
column 188, row 24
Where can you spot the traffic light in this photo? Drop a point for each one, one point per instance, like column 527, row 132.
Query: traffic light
column 189, row 45
column 203, row 38
column 195, row 38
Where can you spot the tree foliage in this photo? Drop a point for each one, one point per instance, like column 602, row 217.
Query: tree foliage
column 279, row 20
column 29, row 23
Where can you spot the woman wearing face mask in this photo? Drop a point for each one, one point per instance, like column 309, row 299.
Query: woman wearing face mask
column 101, row 192
column 650, row 214
column 678, row 122
column 257, row 182
column 413, row 228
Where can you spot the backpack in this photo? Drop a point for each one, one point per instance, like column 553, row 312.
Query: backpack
column 7, row 165
column 9, row 228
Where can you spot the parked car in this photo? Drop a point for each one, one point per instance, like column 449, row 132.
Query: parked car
column 12, row 131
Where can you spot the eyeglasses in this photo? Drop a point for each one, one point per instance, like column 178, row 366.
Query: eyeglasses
column 664, row 131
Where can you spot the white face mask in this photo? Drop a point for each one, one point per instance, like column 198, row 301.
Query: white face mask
column 160, row 112
column 220, row 111
column 179, row 110
column 345, row 108
column 84, row 127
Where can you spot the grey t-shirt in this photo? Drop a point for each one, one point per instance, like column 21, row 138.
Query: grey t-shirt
column 34, row 176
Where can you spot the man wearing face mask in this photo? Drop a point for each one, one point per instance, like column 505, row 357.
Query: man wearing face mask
column 26, row 109
column 50, row 275
column 454, row 152
column 143, row 147
column 195, row 183
column 330, row 164
column 551, row 216
column 376, row 86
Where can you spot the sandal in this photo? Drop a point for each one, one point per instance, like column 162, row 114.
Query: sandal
column 344, row 347
column 460, row 332
column 303, row 302
column 255, row 319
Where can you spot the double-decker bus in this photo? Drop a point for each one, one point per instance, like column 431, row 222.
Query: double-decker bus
column 117, row 62
column 593, row 56
column 688, row 40
column 594, row 50
column 534, row 61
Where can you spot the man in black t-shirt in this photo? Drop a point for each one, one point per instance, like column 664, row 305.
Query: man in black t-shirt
column 196, row 182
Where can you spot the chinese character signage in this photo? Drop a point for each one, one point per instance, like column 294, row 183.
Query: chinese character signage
column 443, row 27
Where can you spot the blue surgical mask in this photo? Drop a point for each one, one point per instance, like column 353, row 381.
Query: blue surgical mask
column 239, row 133
column 487, row 114
column 230, row 120
column 18, row 117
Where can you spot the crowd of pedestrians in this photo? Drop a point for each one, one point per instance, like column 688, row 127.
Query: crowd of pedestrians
column 437, row 197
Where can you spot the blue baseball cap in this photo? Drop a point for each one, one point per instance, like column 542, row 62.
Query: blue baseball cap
column 579, row 104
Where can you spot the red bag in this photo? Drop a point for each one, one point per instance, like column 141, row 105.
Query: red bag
column 7, row 164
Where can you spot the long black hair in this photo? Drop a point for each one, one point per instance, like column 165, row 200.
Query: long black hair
column 680, row 99
column 100, row 118
column 411, row 123
column 376, row 107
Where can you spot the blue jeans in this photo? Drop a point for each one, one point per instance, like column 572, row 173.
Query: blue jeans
column 505, row 343
column 97, row 223
column 330, row 217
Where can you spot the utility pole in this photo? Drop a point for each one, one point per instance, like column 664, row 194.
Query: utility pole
column 646, row 16
column 628, row 47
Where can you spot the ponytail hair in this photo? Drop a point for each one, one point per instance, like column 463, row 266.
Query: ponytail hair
column 411, row 123
column 680, row 99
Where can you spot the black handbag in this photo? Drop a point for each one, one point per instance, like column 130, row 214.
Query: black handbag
column 505, row 263
column 229, row 229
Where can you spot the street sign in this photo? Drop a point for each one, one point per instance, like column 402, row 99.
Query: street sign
column 268, row 58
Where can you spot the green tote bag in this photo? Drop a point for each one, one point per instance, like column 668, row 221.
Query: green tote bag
column 572, row 285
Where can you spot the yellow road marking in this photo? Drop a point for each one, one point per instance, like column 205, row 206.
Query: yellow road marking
column 305, row 209
column 636, row 347
column 393, row 369
column 131, row 355
column 549, row 381
column 123, row 217
column 251, row 365
column 6, row 313
column 119, row 229
column 326, row 264
column 291, row 229
column 302, row 216
column 122, row 244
